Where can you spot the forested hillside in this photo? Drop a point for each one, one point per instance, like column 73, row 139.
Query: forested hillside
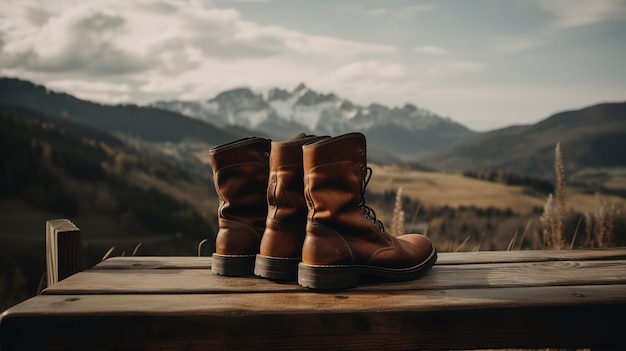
column 108, row 187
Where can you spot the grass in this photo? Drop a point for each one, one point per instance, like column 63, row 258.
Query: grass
column 599, row 228
column 553, row 217
column 571, row 217
column 454, row 190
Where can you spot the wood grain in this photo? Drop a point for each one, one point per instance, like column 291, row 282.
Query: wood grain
column 488, row 275
column 155, row 262
column 62, row 250
column 482, row 300
column 170, row 262
column 431, row 319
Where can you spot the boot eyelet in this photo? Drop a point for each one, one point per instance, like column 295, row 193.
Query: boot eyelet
column 361, row 152
column 266, row 154
column 362, row 167
column 367, row 217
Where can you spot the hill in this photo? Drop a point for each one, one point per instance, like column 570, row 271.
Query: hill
column 119, row 193
column 147, row 123
column 591, row 137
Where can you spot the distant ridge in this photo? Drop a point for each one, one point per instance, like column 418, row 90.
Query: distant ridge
column 147, row 123
column 591, row 137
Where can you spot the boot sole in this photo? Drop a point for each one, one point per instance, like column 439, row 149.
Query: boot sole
column 232, row 265
column 334, row 277
column 276, row 268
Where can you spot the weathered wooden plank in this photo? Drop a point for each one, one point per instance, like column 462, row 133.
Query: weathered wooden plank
column 172, row 262
column 155, row 262
column 497, row 275
column 527, row 317
column 62, row 250
column 531, row 256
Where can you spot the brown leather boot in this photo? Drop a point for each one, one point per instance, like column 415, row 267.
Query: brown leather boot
column 281, row 245
column 344, row 240
column 240, row 173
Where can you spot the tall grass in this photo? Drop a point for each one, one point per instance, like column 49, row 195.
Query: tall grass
column 599, row 228
column 553, row 218
column 557, row 226
column 398, row 218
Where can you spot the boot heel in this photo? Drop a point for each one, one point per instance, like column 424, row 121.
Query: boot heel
column 276, row 268
column 327, row 277
column 232, row 265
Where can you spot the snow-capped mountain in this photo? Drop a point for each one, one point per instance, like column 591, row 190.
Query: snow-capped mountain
column 281, row 114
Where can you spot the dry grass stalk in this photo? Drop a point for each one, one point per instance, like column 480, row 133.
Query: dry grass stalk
column 414, row 220
column 463, row 243
column 604, row 223
column 521, row 242
column 559, row 170
column 137, row 248
column 108, row 253
column 512, row 242
column 571, row 246
column 397, row 221
column 588, row 230
column 553, row 218
column 200, row 246
column 480, row 242
column 547, row 222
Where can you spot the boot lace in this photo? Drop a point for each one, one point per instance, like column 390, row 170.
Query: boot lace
column 370, row 214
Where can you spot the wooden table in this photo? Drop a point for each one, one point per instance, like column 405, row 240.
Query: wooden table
column 515, row 299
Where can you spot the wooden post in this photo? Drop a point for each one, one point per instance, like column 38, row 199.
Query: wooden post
column 62, row 250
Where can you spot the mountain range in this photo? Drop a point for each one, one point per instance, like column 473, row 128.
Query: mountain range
column 591, row 137
column 280, row 114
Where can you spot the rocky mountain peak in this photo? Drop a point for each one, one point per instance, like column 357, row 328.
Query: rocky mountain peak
column 299, row 88
column 278, row 113
column 277, row 94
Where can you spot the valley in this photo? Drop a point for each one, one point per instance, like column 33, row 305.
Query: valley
column 138, row 178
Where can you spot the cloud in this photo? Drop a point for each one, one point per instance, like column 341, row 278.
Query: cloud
column 577, row 13
column 402, row 12
column 99, row 91
column 164, row 49
column 377, row 12
column 370, row 81
column 453, row 67
column 81, row 39
column 512, row 45
column 431, row 50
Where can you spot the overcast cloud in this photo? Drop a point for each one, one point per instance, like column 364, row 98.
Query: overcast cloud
column 485, row 64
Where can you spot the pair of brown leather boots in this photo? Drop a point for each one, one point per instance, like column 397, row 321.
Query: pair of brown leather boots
column 296, row 209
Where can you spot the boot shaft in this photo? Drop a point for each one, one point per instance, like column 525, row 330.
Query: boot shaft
column 340, row 227
column 240, row 174
column 281, row 245
column 335, row 172
column 285, row 191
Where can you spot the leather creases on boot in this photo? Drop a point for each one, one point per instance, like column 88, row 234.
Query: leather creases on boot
column 344, row 239
column 240, row 173
column 281, row 245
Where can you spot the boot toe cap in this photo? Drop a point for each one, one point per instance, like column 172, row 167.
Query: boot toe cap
column 419, row 245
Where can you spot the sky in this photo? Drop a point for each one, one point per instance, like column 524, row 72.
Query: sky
column 486, row 64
